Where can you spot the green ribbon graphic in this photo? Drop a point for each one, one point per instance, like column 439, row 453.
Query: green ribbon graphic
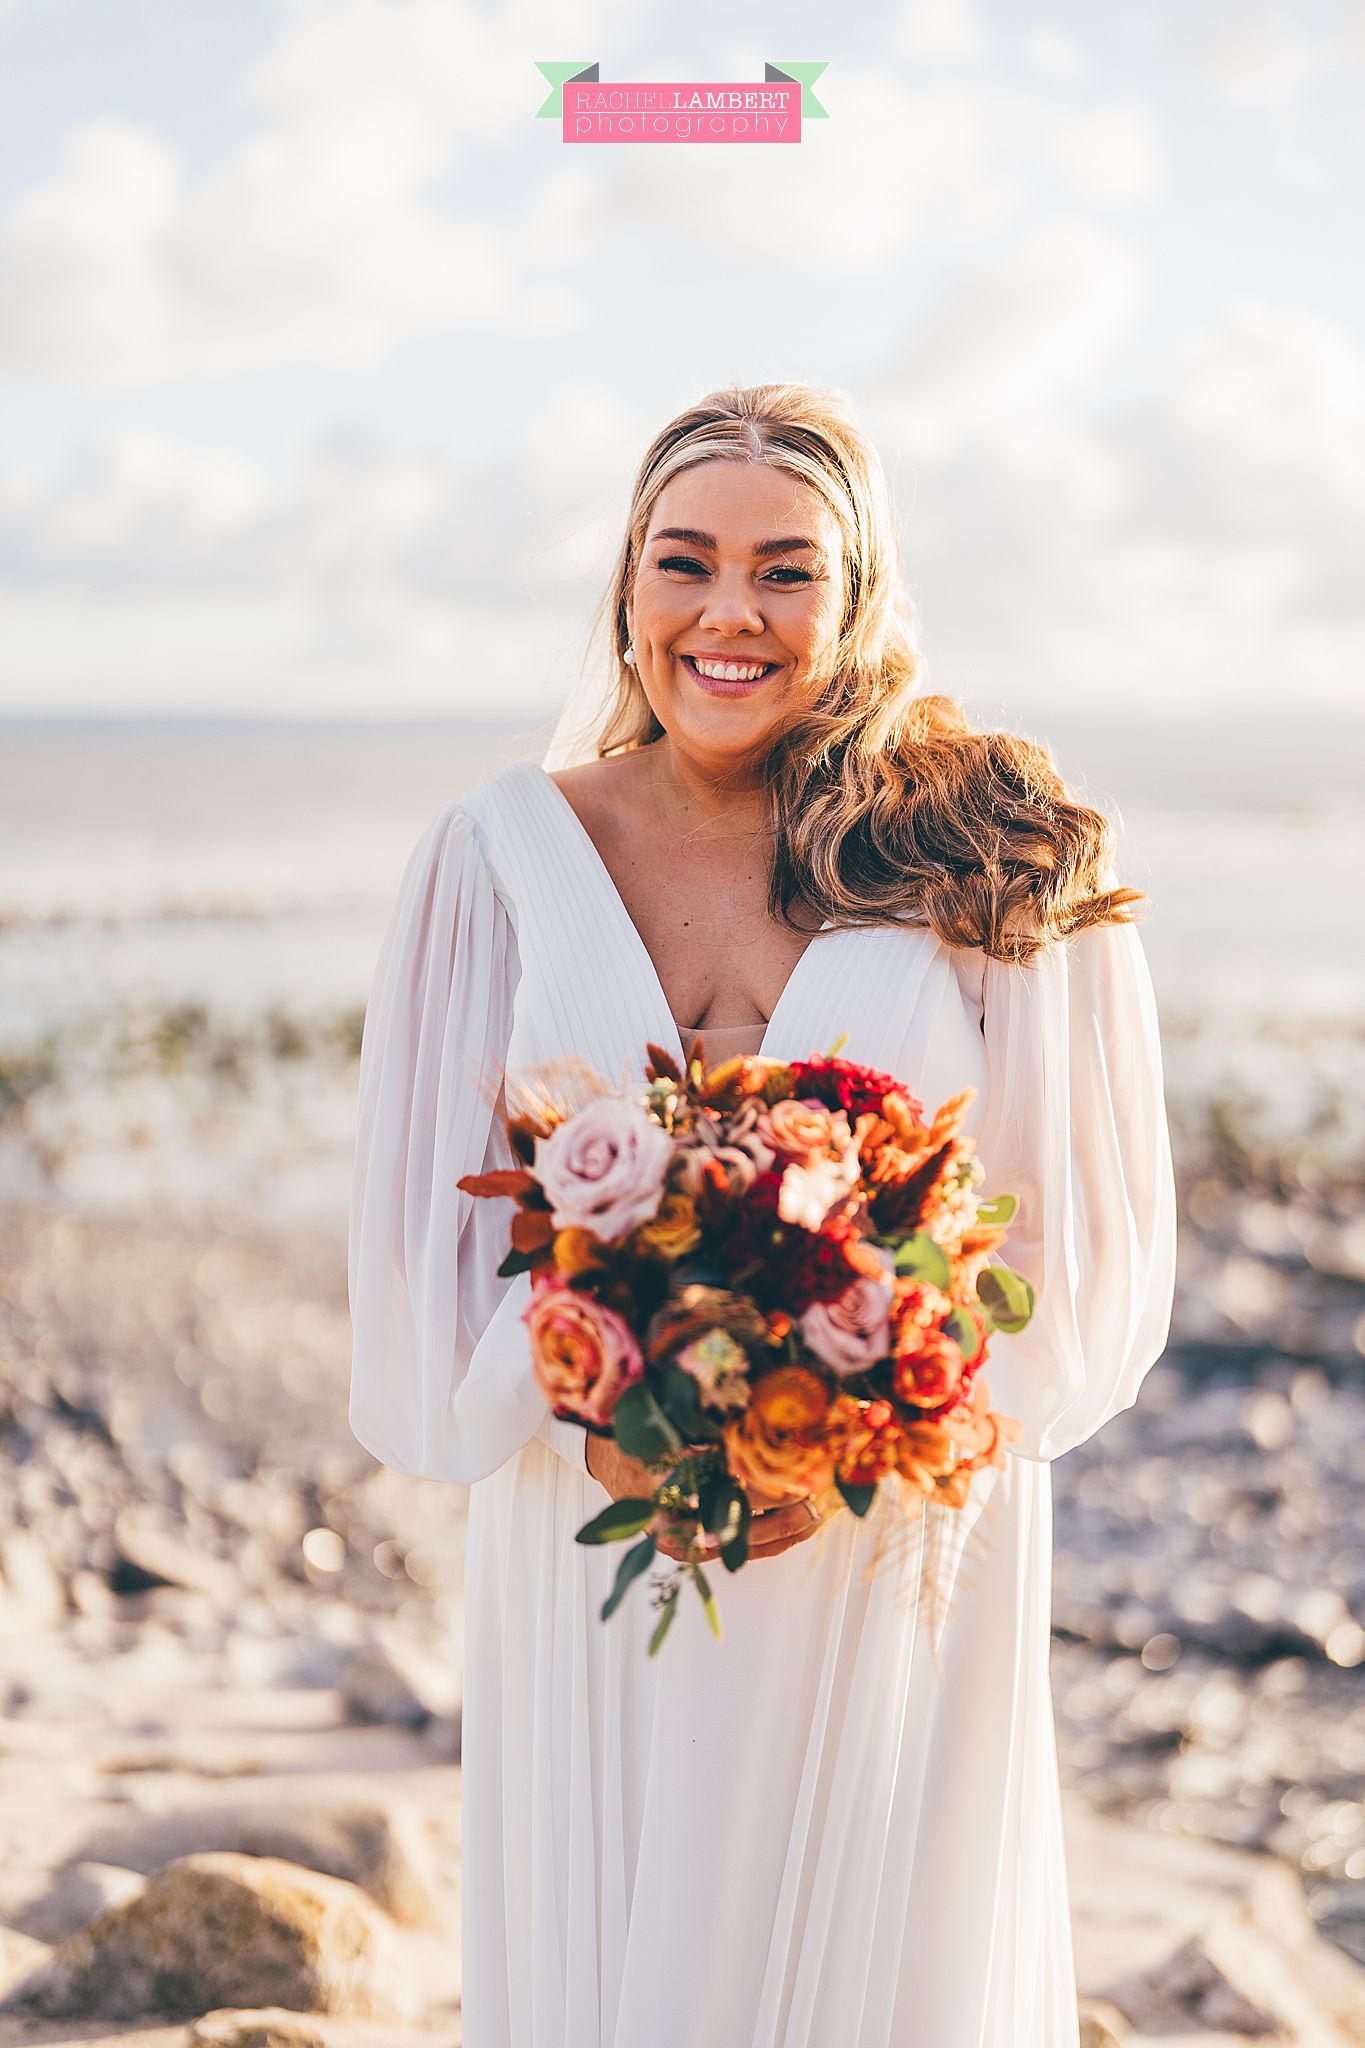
column 558, row 76
column 803, row 75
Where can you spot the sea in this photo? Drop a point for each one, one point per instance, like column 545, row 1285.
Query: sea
column 250, row 863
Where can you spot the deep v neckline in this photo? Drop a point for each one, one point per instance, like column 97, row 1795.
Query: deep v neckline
column 612, row 895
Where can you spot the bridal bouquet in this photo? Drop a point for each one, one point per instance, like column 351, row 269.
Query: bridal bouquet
column 763, row 1274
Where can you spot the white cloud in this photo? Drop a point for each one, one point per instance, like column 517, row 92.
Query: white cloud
column 343, row 221
column 1008, row 352
column 1284, row 388
column 1055, row 54
column 939, row 29
column 1260, row 53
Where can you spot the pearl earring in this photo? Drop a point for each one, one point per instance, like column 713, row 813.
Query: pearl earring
column 630, row 656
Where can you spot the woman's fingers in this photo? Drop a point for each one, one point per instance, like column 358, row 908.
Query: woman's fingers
column 770, row 1533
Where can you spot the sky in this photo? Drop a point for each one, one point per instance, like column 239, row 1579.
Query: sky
column 325, row 367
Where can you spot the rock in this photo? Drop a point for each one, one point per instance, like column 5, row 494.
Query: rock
column 272, row 2028
column 1184, row 1937
column 20, row 1955
column 78, row 1893
column 442, row 1737
column 391, row 1682
column 224, row 1930
column 1102, row 2025
column 29, row 1577
column 148, row 1555
column 381, row 1849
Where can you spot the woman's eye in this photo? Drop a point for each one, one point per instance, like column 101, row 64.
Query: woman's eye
column 687, row 562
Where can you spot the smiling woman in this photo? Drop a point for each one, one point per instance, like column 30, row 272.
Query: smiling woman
column 815, row 1830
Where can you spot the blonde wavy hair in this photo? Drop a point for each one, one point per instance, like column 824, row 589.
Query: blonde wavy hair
column 886, row 805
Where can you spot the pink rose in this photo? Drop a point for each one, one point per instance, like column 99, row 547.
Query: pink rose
column 584, row 1354
column 603, row 1169
column 850, row 1333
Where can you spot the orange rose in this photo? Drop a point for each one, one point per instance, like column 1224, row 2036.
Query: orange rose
column 576, row 1251
column 674, row 1230
column 930, row 1375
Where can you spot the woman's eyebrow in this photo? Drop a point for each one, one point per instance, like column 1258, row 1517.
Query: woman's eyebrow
column 696, row 539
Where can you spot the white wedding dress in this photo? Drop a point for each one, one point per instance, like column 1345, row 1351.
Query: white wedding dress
column 816, row 1832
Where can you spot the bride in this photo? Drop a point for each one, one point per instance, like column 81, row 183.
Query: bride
column 836, row 1827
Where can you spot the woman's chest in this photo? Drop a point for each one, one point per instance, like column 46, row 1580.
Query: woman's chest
column 721, row 958
column 894, row 997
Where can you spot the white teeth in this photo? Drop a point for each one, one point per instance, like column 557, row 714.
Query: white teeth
column 730, row 672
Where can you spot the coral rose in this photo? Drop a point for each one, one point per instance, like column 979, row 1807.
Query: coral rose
column 583, row 1353
column 603, row 1169
column 798, row 1128
column 931, row 1375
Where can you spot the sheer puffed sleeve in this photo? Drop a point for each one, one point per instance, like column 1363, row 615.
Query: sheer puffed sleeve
column 441, row 1378
column 1074, row 1123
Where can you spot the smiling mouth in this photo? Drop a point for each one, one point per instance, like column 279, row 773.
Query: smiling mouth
column 743, row 679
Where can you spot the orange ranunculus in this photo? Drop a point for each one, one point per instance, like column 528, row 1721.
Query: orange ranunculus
column 674, row 1230
column 953, row 1489
column 773, row 1462
column 862, row 1436
column 930, row 1375
column 969, row 1422
column 789, row 1398
column 979, row 1431
column 918, row 1306
column 576, row 1251
column 924, row 1452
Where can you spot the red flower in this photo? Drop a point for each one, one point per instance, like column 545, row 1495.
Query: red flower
column 840, row 1084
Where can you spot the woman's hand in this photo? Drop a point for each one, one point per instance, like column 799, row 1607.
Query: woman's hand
column 776, row 1524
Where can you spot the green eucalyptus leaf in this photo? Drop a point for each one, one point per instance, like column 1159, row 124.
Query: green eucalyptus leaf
column 1008, row 1296
column 708, row 1599
column 640, row 1425
column 734, row 1546
column 964, row 1333
column 925, row 1259
column 632, row 1564
column 998, row 1211
column 681, row 1398
column 718, row 1500
column 858, row 1498
column 665, row 1621
column 624, row 1517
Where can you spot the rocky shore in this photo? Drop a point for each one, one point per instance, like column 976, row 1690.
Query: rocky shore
column 229, row 1641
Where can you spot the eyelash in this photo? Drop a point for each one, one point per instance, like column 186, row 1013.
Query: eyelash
column 784, row 569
